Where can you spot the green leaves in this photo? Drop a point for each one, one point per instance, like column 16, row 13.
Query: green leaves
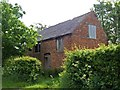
column 23, row 68
column 93, row 69
column 108, row 13
column 16, row 38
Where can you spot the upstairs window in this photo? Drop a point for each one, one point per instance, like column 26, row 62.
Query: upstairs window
column 92, row 31
column 37, row 47
column 59, row 46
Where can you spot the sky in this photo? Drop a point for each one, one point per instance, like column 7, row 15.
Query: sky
column 51, row 12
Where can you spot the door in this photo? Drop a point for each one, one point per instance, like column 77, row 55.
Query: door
column 47, row 60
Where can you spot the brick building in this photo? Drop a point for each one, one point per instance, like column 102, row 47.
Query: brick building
column 82, row 31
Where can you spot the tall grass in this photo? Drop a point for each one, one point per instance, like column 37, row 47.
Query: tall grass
column 44, row 82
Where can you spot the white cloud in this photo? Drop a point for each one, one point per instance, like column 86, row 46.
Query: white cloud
column 51, row 12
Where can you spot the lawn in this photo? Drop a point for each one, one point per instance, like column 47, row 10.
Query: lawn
column 44, row 82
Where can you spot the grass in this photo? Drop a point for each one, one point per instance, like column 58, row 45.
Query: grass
column 44, row 82
column 7, row 82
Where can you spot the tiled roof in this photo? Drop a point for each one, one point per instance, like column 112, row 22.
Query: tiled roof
column 61, row 29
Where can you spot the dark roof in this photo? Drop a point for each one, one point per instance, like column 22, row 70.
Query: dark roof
column 61, row 29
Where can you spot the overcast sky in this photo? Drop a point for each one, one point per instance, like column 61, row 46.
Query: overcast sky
column 51, row 12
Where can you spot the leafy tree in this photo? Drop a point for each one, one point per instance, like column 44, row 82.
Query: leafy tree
column 38, row 26
column 109, row 14
column 0, row 37
column 16, row 37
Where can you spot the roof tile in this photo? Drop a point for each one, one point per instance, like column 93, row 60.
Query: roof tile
column 61, row 29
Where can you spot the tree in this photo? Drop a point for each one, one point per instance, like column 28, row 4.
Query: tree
column 16, row 37
column 38, row 26
column 108, row 13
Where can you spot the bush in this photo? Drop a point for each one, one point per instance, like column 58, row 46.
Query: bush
column 77, row 69
column 97, row 68
column 52, row 72
column 106, row 68
column 23, row 68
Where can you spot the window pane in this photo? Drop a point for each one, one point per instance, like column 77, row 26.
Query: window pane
column 36, row 50
column 37, row 47
column 92, row 31
column 59, row 45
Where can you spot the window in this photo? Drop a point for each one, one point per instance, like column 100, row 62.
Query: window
column 92, row 31
column 59, row 45
column 37, row 47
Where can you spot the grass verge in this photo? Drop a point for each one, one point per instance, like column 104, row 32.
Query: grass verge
column 44, row 82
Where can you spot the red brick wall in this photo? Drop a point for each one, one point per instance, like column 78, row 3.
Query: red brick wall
column 80, row 35
column 79, row 38
column 49, row 46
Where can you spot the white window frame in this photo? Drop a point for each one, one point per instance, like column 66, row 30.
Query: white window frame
column 92, row 31
column 59, row 45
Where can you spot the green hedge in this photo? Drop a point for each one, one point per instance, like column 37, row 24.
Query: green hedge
column 52, row 72
column 93, row 69
column 23, row 68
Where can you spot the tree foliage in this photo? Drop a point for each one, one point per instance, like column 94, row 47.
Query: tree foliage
column 108, row 13
column 16, row 37
column 38, row 26
column 23, row 68
column 90, row 69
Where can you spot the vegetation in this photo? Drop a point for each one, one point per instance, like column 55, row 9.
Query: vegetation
column 16, row 37
column 44, row 82
column 108, row 13
column 52, row 72
column 23, row 68
column 98, row 69
column 26, row 72
column 38, row 27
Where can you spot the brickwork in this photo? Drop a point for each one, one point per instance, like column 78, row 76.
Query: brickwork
column 78, row 38
column 80, row 35
column 49, row 46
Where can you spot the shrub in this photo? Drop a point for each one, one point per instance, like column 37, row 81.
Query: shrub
column 106, row 68
column 23, row 68
column 77, row 69
column 87, row 68
column 52, row 72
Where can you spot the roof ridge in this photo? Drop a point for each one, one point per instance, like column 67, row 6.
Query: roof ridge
column 70, row 19
column 62, row 28
column 82, row 15
column 58, row 23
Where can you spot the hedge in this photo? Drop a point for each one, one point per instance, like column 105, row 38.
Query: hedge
column 23, row 68
column 93, row 69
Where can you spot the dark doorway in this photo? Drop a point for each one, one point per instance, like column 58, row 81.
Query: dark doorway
column 47, row 60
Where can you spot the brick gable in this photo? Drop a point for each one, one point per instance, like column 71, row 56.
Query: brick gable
column 77, row 36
